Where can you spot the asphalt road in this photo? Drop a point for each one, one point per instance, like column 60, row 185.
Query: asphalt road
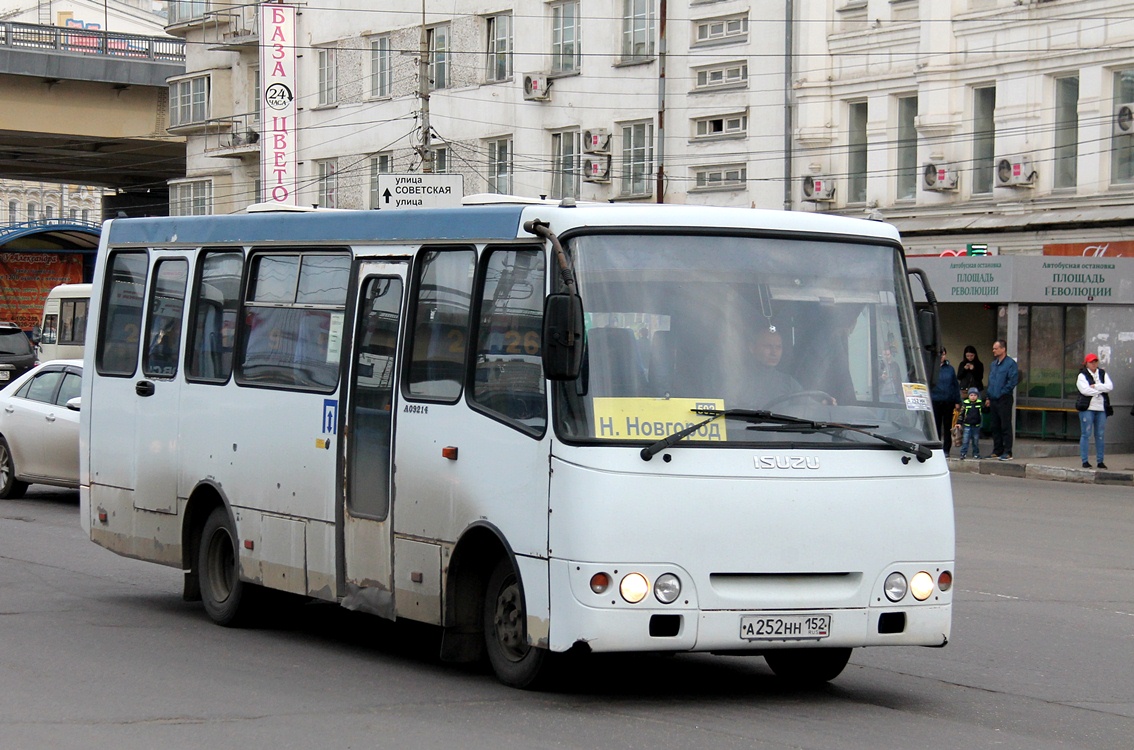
column 99, row 651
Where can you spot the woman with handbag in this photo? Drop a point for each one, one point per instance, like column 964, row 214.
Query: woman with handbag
column 1093, row 406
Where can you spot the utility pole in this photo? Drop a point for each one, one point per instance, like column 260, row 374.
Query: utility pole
column 423, row 92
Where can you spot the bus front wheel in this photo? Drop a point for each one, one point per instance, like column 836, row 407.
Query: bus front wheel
column 222, row 592
column 808, row 667
column 515, row 662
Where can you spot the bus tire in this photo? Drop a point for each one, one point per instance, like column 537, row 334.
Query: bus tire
column 224, row 595
column 10, row 487
column 808, row 667
column 516, row 663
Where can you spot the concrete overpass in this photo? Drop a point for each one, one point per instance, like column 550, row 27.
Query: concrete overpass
column 88, row 107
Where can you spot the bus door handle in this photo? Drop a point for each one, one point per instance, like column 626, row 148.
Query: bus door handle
column 144, row 388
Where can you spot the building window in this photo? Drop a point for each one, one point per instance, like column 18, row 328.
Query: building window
column 438, row 41
column 565, row 175
column 33, row 211
column 984, row 138
column 733, row 29
column 500, row 166
column 13, row 211
column 379, row 164
column 856, row 153
column 188, row 101
column 72, row 214
column 1122, row 145
column 637, row 29
column 637, row 158
column 49, row 211
column 328, row 78
column 328, row 183
column 181, row 11
column 908, row 171
column 565, row 51
column 191, row 198
column 1066, row 131
column 381, row 70
column 499, row 64
column 726, row 177
column 86, row 214
column 708, row 127
column 729, row 74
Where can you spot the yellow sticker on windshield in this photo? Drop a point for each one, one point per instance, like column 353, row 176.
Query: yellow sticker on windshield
column 655, row 418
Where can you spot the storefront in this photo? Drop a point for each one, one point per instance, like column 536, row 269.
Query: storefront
column 1051, row 309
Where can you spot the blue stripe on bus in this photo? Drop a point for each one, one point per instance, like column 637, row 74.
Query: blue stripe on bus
column 427, row 225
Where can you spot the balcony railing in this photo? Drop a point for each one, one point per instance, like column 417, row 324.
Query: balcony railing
column 91, row 42
column 233, row 136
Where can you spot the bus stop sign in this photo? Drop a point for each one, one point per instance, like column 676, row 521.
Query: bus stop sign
column 420, row 190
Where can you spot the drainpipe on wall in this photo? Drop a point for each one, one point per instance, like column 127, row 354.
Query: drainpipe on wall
column 789, row 100
column 661, row 102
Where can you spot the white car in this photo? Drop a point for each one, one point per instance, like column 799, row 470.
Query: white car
column 39, row 428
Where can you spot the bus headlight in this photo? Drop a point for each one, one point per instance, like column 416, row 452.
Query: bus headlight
column 667, row 588
column 895, row 586
column 634, row 587
column 921, row 586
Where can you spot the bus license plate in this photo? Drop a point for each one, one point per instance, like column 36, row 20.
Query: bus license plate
column 785, row 627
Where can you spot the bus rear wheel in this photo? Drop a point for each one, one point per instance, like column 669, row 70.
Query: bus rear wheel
column 515, row 662
column 10, row 487
column 808, row 667
column 224, row 595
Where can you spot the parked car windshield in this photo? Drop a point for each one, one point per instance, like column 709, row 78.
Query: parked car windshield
column 815, row 329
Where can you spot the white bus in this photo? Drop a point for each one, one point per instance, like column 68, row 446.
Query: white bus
column 538, row 426
column 63, row 327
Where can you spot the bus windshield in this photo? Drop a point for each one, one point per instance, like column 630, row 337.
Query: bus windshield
column 815, row 329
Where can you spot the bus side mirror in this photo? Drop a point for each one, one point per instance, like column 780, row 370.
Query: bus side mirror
column 930, row 346
column 562, row 314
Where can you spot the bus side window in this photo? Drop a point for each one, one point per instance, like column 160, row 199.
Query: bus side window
column 117, row 350
column 443, row 294
column 209, row 350
column 508, row 379
column 167, row 301
column 293, row 320
column 47, row 333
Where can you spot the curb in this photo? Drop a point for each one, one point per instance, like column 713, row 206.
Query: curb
column 1024, row 470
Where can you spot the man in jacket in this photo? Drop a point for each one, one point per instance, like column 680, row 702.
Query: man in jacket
column 1003, row 377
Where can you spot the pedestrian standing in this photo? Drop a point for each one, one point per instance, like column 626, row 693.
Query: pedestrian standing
column 972, row 414
column 1003, row 377
column 970, row 370
column 946, row 396
column 1093, row 406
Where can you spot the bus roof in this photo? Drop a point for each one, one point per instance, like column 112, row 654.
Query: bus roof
column 467, row 223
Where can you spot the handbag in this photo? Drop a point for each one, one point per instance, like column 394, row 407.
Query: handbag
column 1107, row 409
column 1083, row 402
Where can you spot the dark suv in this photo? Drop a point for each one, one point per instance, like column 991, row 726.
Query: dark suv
column 15, row 350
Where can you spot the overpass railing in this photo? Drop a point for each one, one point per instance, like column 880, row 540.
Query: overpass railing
column 21, row 228
column 91, row 42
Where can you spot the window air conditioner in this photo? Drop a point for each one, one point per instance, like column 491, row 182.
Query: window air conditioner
column 1014, row 171
column 818, row 189
column 596, row 141
column 939, row 177
column 1124, row 119
column 536, row 87
column 596, row 169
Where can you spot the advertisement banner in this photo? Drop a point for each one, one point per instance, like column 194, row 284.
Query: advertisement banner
column 26, row 278
column 1119, row 249
column 277, row 82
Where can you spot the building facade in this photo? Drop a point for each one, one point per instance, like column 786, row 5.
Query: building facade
column 991, row 124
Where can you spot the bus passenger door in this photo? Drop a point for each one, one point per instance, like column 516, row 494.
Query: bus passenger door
column 157, row 392
column 366, row 529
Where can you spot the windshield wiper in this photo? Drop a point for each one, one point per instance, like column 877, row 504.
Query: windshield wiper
column 785, row 423
column 766, row 420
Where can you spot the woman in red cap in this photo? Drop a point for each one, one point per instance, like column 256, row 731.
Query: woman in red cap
column 1093, row 405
